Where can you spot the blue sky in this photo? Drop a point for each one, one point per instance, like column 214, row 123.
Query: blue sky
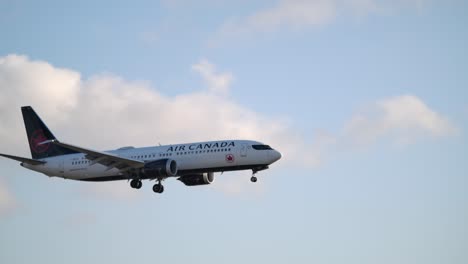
column 366, row 100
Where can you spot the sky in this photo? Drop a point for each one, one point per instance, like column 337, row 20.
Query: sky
column 365, row 99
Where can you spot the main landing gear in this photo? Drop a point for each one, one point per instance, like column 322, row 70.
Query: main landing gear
column 158, row 187
column 136, row 184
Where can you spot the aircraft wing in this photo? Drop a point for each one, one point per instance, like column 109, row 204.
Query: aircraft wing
column 24, row 160
column 104, row 158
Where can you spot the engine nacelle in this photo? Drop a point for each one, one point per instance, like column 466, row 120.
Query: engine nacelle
column 160, row 168
column 197, row 179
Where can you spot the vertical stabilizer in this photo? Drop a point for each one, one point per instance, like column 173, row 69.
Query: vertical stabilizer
column 37, row 133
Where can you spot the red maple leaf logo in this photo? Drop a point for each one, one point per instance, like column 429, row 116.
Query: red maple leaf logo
column 36, row 138
column 230, row 158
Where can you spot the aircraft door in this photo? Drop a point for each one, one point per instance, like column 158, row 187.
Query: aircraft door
column 61, row 167
column 243, row 150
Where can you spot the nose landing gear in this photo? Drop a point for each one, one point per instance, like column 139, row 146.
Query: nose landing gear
column 255, row 170
column 253, row 178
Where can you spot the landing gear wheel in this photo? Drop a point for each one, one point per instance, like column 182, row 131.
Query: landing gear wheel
column 158, row 188
column 136, row 184
column 253, row 179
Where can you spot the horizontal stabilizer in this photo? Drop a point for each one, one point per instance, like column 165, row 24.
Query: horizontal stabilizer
column 24, row 160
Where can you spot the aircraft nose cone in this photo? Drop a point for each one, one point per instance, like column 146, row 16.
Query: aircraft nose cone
column 275, row 155
column 279, row 156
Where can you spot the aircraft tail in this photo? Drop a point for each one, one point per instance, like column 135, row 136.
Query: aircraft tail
column 37, row 133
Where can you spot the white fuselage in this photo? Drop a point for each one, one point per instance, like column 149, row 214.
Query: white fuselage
column 213, row 156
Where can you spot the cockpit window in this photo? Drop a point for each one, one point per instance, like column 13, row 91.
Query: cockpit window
column 261, row 147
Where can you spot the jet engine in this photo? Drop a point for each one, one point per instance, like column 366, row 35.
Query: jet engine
column 160, row 168
column 197, row 179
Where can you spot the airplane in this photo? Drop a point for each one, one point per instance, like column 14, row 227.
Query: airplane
column 191, row 163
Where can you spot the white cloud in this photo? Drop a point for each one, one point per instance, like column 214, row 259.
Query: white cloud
column 302, row 14
column 403, row 119
column 217, row 82
column 106, row 112
column 295, row 14
column 7, row 201
column 292, row 13
column 25, row 82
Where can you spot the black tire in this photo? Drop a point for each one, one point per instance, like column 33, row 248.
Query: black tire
column 158, row 188
column 134, row 183
column 253, row 179
column 139, row 184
